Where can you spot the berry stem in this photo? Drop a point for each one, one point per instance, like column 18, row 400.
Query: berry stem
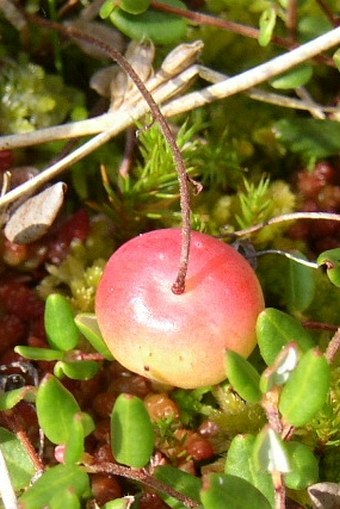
column 184, row 188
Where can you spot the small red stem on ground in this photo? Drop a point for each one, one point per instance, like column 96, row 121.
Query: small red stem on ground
column 142, row 476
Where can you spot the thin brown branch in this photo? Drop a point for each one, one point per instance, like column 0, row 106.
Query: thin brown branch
column 143, row 477
column 231, row 26
column 179, row 284
column 292, row 20
column 310, row 324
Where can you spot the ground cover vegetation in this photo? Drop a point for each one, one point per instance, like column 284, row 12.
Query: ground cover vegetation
column 169, row 254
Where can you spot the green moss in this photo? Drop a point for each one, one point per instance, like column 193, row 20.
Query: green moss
column 79, row 274
column 32, row 99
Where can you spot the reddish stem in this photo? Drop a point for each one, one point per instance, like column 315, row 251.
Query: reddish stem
column 179, row 285
column 292, row 19
column 232, row 26
column 142, row 476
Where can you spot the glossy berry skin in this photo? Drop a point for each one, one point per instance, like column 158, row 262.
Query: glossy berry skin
column 179, row 340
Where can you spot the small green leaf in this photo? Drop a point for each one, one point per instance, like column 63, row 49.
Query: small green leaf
column 221, row 491
column 132, row 433
column 59, row 323
column 294, row 79
column 275, row 330
column 267, row 24
column 300, row 285
column 11, row 398
column 269, row 454
column 239, row 462
column 107, row 8
column 310, row 137
column 182, row 482
column 88, row 326
column 77, row 370
column 56, row 408
column 120, row 503
column 160, row 27
column 306, row 390
column 304, row 466
column 243, row 377
column 336, row 58
column 19, row 463
column 134, row 6
column 39, row 354
column 330, row 260
column 74, row 447
column 56, row 481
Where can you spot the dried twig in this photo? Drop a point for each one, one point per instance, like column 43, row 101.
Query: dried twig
column 325, row 216
column 111, row 123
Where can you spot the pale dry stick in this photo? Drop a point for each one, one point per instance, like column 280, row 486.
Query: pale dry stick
column 160, row 86
column 119, row 121
column 254, row 76
column 123, row 119
column 314, row 108
column 290, row 256
column 293, row 216
column 167, row 83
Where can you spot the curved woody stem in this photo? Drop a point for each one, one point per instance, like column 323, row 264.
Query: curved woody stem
column 184, row 183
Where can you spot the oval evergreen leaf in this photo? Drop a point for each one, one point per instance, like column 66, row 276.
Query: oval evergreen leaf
column 221, row 491
column 267, row 24
column 300, row 286
column 59, row 323
column 18, row 461
column 306, row 390
column 181, row 481
column 243, row 377
column 304, row 466
column 74, row 447
column 134, row 6
column 275, row 329
column 11, row 398
column 132, row 434
column 77, row 370
column 330, row 260
column 39, row 354
column 88, row 326
column 160, row 27
column 56, row 480
column 294, row 79
column 56, row 408
column 239, row 462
